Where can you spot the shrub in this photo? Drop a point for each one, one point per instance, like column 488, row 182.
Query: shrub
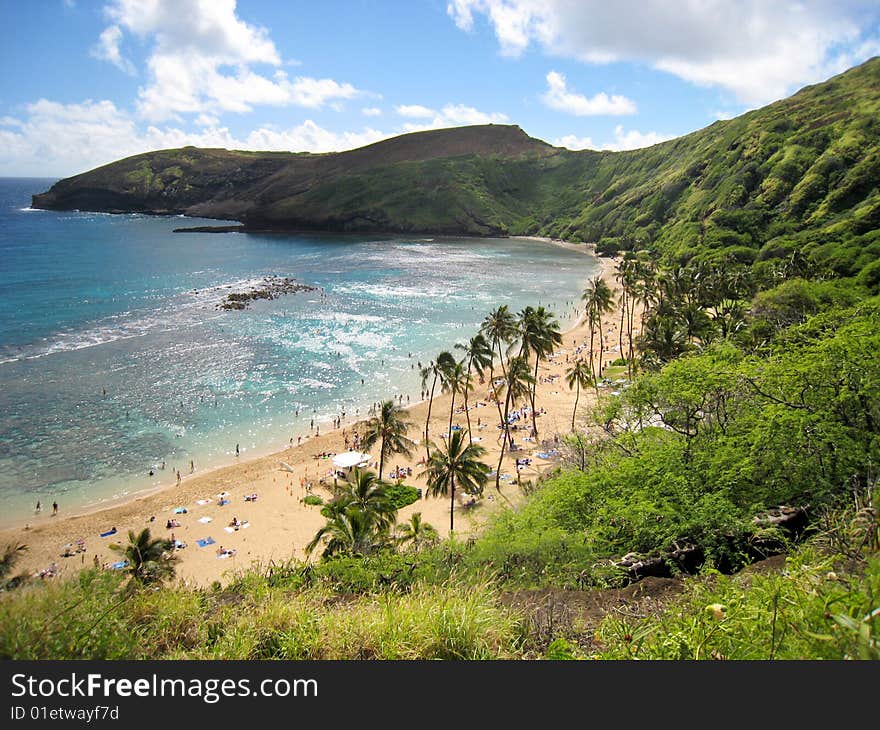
column 401, row 495
column 313, row 500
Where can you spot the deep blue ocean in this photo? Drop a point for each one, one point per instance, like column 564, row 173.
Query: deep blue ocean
column 115, row 359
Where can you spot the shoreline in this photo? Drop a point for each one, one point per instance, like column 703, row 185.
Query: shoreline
column 105, row 502
column 264, row 475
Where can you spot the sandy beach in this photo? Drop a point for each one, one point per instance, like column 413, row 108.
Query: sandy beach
column 279, row 524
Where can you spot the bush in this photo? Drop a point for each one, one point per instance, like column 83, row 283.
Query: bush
column 313, row 500
column 402, row 495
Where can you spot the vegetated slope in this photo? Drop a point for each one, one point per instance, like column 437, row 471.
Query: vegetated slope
column 799, row 174
column 286, row 190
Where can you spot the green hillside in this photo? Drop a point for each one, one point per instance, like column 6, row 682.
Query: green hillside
column 799, row 174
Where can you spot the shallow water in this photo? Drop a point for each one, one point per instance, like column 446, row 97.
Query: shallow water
column 115, row 359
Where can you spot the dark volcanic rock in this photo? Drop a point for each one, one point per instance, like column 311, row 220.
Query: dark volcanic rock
column 271, row 288
column 210, row 229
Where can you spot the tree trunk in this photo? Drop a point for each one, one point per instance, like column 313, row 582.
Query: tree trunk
column 428, row 419
column 504, row 374
column 467, row 411
column 451, row 504
column 592, row 355
column 504, row 437
column 601, row 344
column 381, row 459
column 622, row 316
column 534, row 390
column 629, row 327
column 576, row 398
column 451, row 410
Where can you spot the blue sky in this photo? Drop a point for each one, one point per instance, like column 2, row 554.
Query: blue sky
column 86, row 82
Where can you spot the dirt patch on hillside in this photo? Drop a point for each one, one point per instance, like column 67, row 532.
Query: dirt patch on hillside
column 553, row 612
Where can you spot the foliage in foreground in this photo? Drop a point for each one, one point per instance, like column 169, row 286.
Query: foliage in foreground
column 95, row 617
column 808, row 611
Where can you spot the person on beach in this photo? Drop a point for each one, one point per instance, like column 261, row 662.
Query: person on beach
column 39, row 507
column 236, row 450
column 54, row 508
column 192, row 466
column 178, row 477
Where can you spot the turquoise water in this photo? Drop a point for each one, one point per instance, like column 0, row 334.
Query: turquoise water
column 114, row 358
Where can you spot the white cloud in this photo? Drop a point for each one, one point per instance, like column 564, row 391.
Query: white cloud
column 759, row 50
column 203, row 59
column 573, row 142
column 634, row 139
column 454, row 115
column 623, row 140
column 371, row 111
column 206, row 120
column 416, row 111
column 55, row 139
column 559, row 97
column 107, row 49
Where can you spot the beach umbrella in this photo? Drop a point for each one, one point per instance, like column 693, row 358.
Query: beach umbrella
column 349, row 458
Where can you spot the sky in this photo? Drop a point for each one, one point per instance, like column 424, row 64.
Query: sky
column 87, row 82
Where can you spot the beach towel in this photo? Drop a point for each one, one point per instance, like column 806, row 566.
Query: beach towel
column 223, row 502
column 242, row 526
column 180, row 510
column 108, row 533
column 203, row 501
column 204, row 542
column 120, row 565
column 205, row 520
column 223, row 494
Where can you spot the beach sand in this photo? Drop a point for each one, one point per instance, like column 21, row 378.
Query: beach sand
column 280, row 525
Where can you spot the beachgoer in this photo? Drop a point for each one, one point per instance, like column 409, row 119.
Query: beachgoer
column 54, row 508
column 178, row 476
column 39, row 507
column 192, row 466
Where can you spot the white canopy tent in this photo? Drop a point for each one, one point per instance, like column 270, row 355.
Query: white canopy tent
column 350, row 458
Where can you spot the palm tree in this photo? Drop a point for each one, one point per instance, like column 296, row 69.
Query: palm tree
column 348, row 530
column 538, row 334
column 149, row 559
column 599, row 299
column 367, row 492
column 499, row 327
column 626, row 276
column 417, row 533
column 359, row 516
column 478, row 355
column 662, row 340
column 578, row 376
column 517, row 386
column 389, row 428
column 433, row 371
column 8, row 558
column 455, row 380
column 457, row 463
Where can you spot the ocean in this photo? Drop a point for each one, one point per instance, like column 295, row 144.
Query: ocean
column 115, row 360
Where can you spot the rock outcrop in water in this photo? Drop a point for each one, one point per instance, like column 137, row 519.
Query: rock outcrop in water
column 271, row 287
